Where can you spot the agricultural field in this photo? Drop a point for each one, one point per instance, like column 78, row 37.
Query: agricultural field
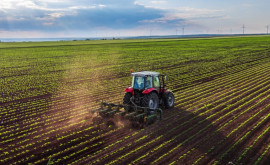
column 221, row 113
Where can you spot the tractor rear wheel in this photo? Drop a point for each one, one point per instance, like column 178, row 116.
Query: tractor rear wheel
column 151, row 101
column 126, row 101
column 168, row 100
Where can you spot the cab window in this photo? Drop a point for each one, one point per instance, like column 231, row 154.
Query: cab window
column 138, row 82
column 156, row 82
column 148, row 82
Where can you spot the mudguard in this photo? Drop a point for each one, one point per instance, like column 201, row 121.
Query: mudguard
column 129, row 89
column 149, row 90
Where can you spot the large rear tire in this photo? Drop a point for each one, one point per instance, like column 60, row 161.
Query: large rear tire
column 151, row 101
column 126, row 101
column 168, row 100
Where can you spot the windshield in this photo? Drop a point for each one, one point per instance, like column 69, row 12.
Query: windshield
column 140, row 82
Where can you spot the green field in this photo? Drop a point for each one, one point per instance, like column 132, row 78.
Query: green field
column 33, row 69
column 48, row 88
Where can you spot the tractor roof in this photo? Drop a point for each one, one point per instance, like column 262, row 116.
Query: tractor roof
column 145, row 73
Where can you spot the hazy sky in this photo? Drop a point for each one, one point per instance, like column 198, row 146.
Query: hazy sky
column 105, row 18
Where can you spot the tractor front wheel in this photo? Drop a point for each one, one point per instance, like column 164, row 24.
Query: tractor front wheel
column 151, row 101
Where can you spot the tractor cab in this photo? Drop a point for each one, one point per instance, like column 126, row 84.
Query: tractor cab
column 145, row 80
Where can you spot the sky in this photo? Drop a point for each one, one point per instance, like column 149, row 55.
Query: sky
column 117, row 18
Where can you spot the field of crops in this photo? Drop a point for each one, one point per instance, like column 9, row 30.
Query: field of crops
column 221, row 115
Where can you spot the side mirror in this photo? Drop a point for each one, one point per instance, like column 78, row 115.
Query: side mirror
column 166, row 78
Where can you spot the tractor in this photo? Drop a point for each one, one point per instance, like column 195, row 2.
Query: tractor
column 143, row 101
column 148, row 91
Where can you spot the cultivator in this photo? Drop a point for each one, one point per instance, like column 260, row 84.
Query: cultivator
column 138, row 116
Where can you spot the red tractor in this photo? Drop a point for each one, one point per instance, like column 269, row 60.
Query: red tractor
column 143, row 101
column 148, row 90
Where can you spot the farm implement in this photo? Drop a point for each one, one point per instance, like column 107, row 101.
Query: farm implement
column 143, row 101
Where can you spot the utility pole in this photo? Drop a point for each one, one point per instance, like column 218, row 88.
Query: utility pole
column 267, row 27
column 183, row 31
column 243, row 29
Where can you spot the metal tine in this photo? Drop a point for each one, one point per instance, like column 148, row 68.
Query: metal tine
column 150, row 117
column 160, row 113
column 111, row 113
column 116, row 109
column 131, row 114
column 95, row 110
column 122, row 113
column 98, row 109
column 105, row 110
column 111, row 104
column 140, row 115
